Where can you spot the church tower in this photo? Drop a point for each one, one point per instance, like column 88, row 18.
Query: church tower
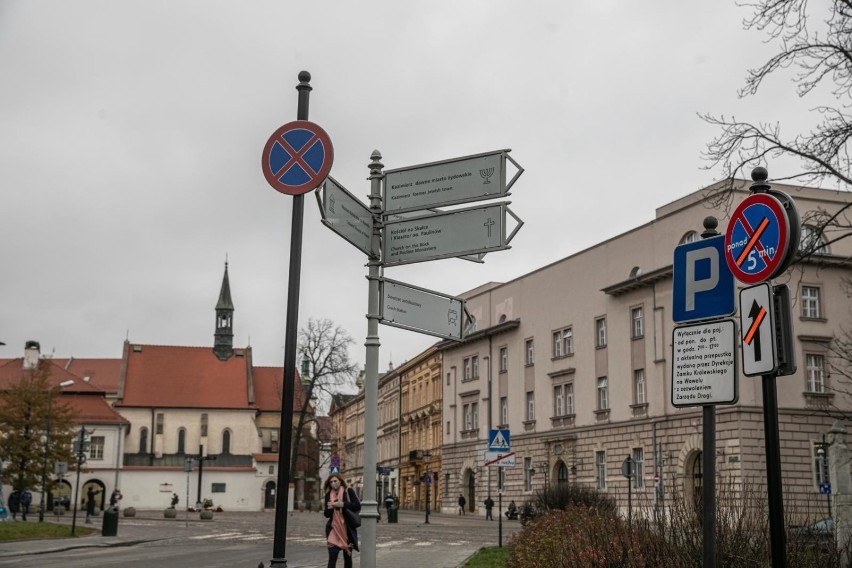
column 223, row 342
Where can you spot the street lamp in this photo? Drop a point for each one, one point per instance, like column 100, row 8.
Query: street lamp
column 544, row 466
column 825, row 482
column 41, row 508
column 427, row 455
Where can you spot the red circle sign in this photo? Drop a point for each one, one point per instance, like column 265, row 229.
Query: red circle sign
column 297, row 157
column 756, row 239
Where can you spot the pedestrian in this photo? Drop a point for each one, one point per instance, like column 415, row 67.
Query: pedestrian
column 26, row 499
column 512, row 511
column 339, row 532
column 90, row 503
column 15, row 504
column 175, row 500
column 461, row 504
column 489, row 504
column 115, row 497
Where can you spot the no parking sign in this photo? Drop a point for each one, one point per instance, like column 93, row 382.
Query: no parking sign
column 757, row 239
column 297, row 157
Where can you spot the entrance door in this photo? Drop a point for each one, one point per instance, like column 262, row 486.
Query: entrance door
column 269, row 495
column 471, row 491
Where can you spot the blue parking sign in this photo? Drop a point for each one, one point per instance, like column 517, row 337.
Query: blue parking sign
column 703, row 285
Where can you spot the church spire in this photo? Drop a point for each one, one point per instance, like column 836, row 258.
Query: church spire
column 223, row 339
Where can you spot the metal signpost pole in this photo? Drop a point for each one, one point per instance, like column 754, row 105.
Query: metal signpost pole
column 773, row 472
column 282, row 500
column 500, row 507
column 708, row 455
column 369, row 510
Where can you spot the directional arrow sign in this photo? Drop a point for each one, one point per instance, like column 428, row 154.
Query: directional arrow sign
column 418, row 309
column 447, row 234
column 758, row 331
column 344, row 214
column 460, row 180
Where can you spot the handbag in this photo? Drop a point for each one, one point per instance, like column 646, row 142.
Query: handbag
column 352, row 518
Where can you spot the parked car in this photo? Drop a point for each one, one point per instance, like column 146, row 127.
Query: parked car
column 819, row 534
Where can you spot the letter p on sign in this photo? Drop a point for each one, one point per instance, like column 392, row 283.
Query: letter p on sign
column 702, row 283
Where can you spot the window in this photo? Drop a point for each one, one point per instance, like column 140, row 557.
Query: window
column 689, row 237
column 504, row 359
column 530, row 406
column 569, row 398
column 271, row 469
column 603, row 399
column 815, row 366
column 639, row 394
column 466, row 367
column 563, row 400
column 810, row 302
column 204, row 425
column 600, row 470
column 474, row 410
column 504, row 410
column 226, row 442
column 471, row 416
column 637, row 317
column 448, row 379
column 530, row 351
column 812, row 241
column 600, row 332
column 143, row 441
column 563, row 342
column 181, row 442
column 528, row 474
column 474, row 364
column 448, row 426
column 558, row 401
column 96, row 448
column 638, row 467
column 160, row 419
column 218, row 488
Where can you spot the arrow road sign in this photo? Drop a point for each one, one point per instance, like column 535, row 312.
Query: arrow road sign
column 758, row 330
column 419, row 309
column 703, row 285
column 447, row 234
column 460, row 180
column 344, row 214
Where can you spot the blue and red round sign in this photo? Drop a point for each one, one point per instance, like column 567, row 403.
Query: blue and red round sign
column 297, row 157
column 757, row 238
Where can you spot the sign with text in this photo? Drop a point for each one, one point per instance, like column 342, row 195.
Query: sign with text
column 344, row 214
column 499, row 459
column 418, row 309
column 460, row 180
column 704, row 364
column 447, row 234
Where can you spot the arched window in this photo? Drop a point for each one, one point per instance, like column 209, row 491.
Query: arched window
column 226, row 442
column 181, row 446
column 689, row 237
column 143, row 441
column 635, row 272
column 562, row 474
column 812, row 241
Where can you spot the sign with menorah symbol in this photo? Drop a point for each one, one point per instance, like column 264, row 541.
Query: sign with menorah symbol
column 449, row 182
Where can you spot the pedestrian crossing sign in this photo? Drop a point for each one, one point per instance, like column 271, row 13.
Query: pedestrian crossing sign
column 498, row 441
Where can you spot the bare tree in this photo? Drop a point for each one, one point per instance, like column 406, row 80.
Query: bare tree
column 816, row 41
column 325, row 369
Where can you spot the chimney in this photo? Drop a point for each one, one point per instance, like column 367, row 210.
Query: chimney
column 32, row 353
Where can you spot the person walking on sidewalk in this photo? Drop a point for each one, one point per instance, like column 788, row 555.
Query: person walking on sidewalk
column 489, row 504
column 26, row 499
column 339, row 531
column 15, row 504
column 462, row 502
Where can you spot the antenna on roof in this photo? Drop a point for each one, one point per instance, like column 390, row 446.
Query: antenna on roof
column 127, row 335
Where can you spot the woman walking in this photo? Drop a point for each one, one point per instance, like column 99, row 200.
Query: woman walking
column 340, row 533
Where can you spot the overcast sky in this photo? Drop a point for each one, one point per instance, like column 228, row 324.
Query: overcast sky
column 131, row 134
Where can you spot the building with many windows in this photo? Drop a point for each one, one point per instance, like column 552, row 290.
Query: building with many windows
column 575, row 359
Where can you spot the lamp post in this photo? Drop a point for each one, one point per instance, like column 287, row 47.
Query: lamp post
column 544, row 466
column 427, row 455
column 42, row 504
column 825, row 482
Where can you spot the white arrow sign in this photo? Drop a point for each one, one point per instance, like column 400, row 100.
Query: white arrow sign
column 419, row 309
column 447, row 234
column 756, row 325
column 344, row 214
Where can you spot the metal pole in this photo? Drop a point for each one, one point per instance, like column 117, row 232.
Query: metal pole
column 77, row 486
column 708, row 484
column 369, row 510
column 500, row 507
column 200, row 471
column 778, row 538
column 282, row 500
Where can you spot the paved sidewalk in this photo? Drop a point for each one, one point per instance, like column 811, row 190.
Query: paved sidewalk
column 449, row 541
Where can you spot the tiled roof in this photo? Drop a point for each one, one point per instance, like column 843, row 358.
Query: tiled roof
column 184, row 377
column 103, row 373
column 265, row 458
column 268, row 384
column 13, row 371
column 92, row 409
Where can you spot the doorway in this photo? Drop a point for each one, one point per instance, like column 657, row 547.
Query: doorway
column 269, row 495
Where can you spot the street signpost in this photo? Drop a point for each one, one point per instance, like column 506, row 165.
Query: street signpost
column 757, row 239
column 344, row 214
column 704, row 364
column 297, row 157
column 419, row 309
column 447, row 234
column 448, row 182
column 499, row 440
column 703, row 285
column 758, row 330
